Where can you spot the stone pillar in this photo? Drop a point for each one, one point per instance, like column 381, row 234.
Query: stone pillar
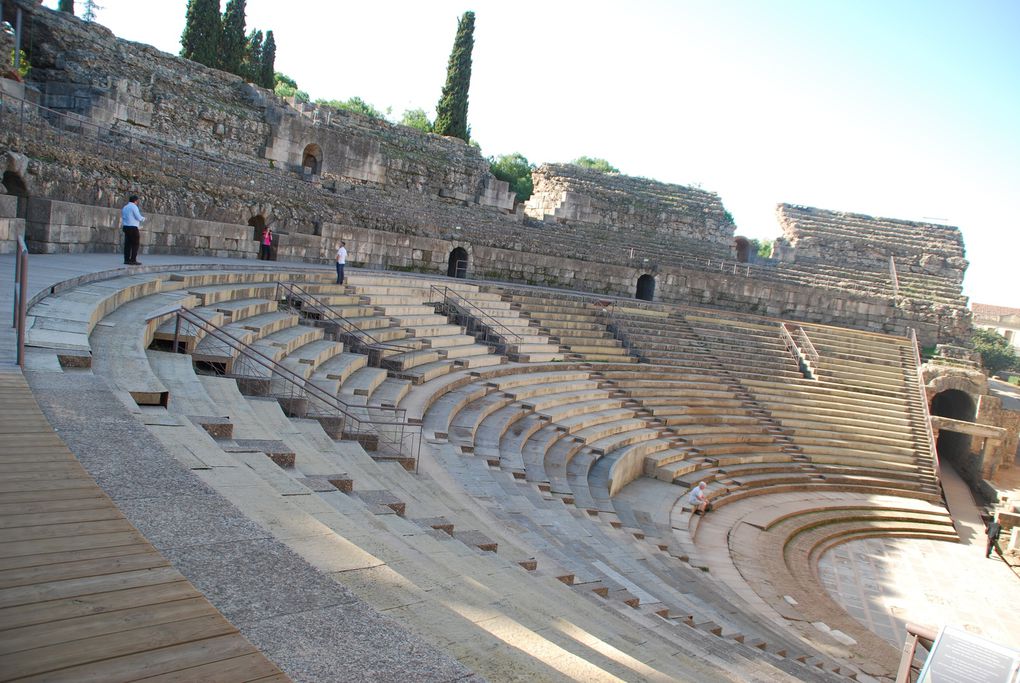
column 988, row 461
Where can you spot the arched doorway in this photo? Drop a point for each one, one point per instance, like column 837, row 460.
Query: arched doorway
column 311, row 159
column 258, row 224
column 646, row 287
column 16, row 186
column 458, row 263
column 954, row 447
column 743, row 246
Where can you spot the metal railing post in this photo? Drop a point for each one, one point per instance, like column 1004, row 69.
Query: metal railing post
column 21, row 298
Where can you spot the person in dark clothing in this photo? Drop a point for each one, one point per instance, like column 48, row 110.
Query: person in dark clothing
column 993, row 534
column 131, row 220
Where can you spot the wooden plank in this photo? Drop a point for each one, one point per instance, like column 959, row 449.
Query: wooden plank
column 40, row 468
column 86, row 585
column 43, row 507
column 152, row 663
column 94, row 625
column 55, row 657
column 62, row 571
column 27, row 533
column 7, row 563
column 19, row 486
column 41, row 519
column 67, row 608
column 251, row 667
column 53, row 545
column 83, row 595
column 47, row 454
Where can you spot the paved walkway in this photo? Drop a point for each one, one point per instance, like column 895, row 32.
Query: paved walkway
column 47, row 270
column 884, row 583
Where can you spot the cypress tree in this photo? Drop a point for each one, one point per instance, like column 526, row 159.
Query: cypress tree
column 91, row 7
column 66, row 6
column 451, row 112
column 201, row 38
column 253, row 59
column 268, row 76
column 232, row 40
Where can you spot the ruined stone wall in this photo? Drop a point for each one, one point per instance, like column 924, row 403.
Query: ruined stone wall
column 207, row 149
column 858, row 240
column 565, row 192
column 137, row 90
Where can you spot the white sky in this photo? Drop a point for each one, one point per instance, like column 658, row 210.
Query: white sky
column 900, row 108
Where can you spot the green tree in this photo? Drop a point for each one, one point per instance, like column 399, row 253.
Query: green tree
column 595, row 164
column 252, row 66
column 66, row 6
column 761, row 247
column 516, row 170
column 232, row 38
column 267, row 78
column 201, row 38
column 451, row 112
column 996, row 352
column 416, row 118
column 285, row 86
column 355, row 104
column 91, row 8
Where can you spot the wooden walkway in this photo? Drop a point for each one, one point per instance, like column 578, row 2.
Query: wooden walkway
column 83, row 595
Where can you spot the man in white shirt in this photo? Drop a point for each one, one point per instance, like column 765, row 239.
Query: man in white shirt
column 697, row 500
column 341, row 259
column 130, row 220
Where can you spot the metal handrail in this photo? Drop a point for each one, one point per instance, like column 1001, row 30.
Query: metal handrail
column 809, row 347
column 923, row 397
column 364, row 338
column 799, row 355
column 470, row 309
column 403, row 429
column 20, row 296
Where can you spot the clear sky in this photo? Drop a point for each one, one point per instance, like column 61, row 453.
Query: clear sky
column 900, row 108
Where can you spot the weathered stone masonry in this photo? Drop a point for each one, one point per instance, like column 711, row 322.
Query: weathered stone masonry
column 211, row 154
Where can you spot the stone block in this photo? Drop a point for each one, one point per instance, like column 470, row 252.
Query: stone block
column 8, row 206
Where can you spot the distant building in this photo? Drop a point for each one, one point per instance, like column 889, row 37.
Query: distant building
column 1002, row 319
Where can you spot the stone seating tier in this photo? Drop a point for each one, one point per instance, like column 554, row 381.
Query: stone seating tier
column 570, row 460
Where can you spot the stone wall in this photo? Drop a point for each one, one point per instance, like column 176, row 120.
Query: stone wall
column 858, row 240
column 135, row 89
column 564, row 192
column 351, row 148
column 207, row 149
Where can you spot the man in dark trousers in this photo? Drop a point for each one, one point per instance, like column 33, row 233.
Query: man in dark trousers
column 130, row 220
column 993, row 534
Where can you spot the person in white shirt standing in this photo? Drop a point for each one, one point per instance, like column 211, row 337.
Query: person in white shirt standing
column 341, row 260
column 130, row 220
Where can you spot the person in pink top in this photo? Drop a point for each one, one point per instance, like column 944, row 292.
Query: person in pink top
column 266, row 244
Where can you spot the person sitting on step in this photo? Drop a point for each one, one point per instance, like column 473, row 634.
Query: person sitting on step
column 697, row 499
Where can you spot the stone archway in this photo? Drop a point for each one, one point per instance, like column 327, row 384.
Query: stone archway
column 743, row 248
column 954, row 447
column 258, row 224
column 457, row 266
column 645, row 288
column 16, row 186
column 311, row 159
